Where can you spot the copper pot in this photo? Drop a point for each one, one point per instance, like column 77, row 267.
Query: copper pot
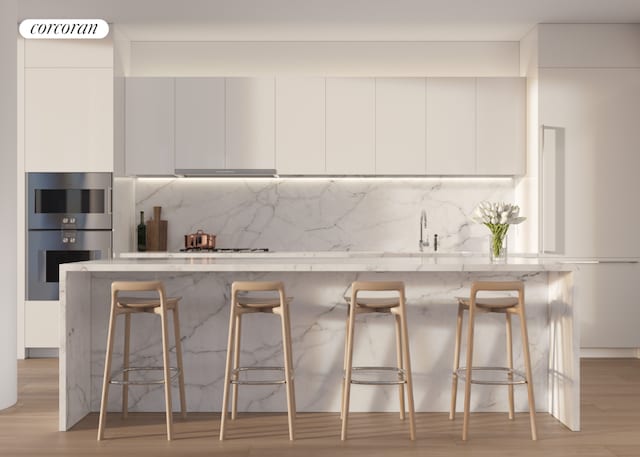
column 199, row 240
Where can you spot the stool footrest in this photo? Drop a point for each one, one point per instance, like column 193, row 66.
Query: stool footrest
column 174, row 370
column 513, row 377
column 236, row 373
column 400, row 376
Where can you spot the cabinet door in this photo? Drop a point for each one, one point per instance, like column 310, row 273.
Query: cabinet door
column 400, row 126
column 300, row 126
column 350, row 126
column 69, row 119
column 451, row 126
column 149, row 129
column 250, row 123
column 501, row 126
column 609, row 305
column 200, row 123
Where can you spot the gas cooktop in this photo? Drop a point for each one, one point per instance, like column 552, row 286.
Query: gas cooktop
column 225, row 250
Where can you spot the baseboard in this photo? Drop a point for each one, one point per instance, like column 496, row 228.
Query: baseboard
column 610, row 353
column 41, row 353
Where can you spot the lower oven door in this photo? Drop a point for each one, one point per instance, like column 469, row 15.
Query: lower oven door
column 47, row 249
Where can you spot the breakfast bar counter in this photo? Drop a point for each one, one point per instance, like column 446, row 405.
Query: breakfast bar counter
column 318, row 283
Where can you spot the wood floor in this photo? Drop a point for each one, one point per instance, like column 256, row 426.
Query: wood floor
column 610, row 419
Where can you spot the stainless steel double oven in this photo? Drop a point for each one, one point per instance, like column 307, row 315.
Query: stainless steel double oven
column 68, row 220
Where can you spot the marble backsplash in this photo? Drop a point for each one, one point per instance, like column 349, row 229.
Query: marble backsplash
column 325, row 214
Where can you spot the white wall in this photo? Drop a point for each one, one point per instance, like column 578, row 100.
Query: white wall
column 8, row 202
column 327, row 58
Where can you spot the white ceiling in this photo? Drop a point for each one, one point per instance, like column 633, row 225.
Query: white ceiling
column 333, row 20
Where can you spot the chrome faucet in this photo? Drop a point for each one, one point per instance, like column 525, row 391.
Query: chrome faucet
column 424, row 240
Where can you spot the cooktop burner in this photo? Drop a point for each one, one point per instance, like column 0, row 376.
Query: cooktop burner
column 225, row 250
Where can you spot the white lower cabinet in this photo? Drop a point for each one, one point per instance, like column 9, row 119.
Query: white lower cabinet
column 351, row 126
column 41, row 324
column 609, row 305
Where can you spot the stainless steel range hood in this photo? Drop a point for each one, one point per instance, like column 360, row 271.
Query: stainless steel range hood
column 226, row 172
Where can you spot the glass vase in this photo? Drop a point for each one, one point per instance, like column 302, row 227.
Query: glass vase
column 498, row 248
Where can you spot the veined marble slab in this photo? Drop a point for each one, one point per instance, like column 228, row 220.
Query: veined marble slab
column 318, row 313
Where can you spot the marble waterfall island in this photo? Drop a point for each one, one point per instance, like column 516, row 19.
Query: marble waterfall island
column 318, row 312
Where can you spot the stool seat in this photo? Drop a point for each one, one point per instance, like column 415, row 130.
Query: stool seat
column 376, row 303
column 146, row 304
column 260, row 302
column 493, row 303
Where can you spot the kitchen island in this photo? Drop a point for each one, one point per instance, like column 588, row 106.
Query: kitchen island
column 318, row 283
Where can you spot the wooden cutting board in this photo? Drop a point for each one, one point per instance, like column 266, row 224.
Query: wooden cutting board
column 156, row 232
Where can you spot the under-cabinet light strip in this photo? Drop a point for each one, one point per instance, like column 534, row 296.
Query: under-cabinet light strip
column 334, row 178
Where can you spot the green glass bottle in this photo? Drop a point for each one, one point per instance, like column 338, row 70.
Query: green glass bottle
column 142, row 233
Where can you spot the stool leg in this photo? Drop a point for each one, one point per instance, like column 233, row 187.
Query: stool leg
column 527, row 365
column 236, row 364
column 227, row 370
column 176, row 331
column 348, row 366
column 107, row 372
column 510, row 363
column 467, row 383
column 399, row 362
column 407, row 367
column 288, row 368
column 167, row 372
column 125, row 365
column 344, row 363
column 456, row 363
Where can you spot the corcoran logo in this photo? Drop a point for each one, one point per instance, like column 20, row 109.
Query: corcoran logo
column 64, row 29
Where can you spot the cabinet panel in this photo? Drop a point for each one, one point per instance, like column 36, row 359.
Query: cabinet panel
column 149, row 136
column 451, row 126
column 596, row 111
column 69, row 119
column 41, row 324
column 350, row 126
column 500, row 126
column 400, row 126
column 200, row 123
column 250, row 115
column 300, row 126
column 609, row 306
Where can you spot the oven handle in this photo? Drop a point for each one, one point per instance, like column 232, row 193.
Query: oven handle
column 109, row 199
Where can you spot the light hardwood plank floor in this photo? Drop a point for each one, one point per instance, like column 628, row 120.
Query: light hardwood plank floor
column 610, row 418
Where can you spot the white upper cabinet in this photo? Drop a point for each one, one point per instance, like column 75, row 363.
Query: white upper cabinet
column 69, row 119
column 149, row 136
column 300, row 126
column 250, row 126
column 451, row 126
column 500, row 126
column 350, row 126
column 200, row 123
column 400, row 126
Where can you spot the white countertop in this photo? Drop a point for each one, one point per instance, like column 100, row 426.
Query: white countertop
column 308, row 262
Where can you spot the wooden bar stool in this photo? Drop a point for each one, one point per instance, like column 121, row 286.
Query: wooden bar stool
column 506, row 306
column 244, row 301
column 397, row 307
column 134, row 305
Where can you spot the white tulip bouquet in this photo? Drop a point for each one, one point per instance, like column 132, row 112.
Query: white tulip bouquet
column 497, row 217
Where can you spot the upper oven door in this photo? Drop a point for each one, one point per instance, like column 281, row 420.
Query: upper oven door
column 68, row 201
